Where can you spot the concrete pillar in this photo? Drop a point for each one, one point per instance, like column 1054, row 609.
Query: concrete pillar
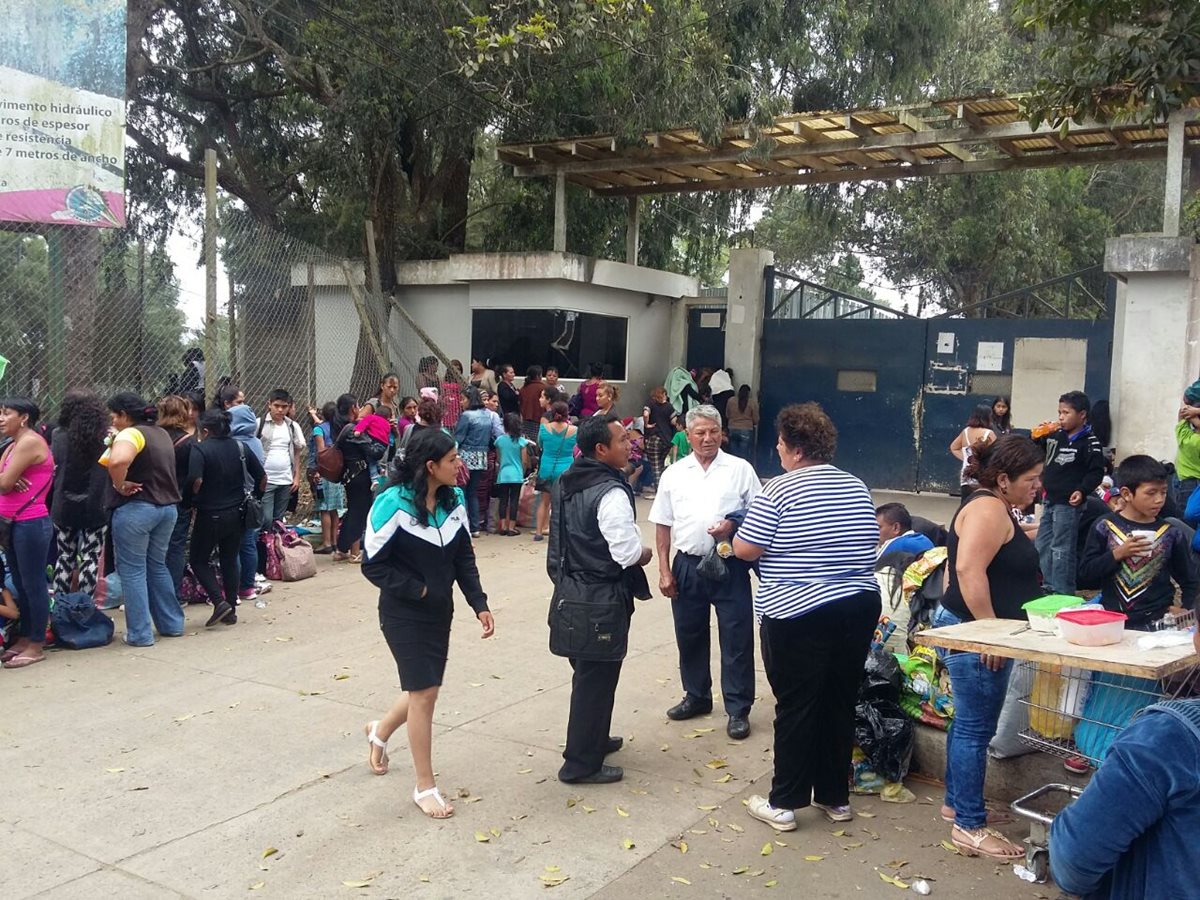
column 1176, row 171
column 745, row 314
column 1156, row 338
column 632, row 224
column 560, row 212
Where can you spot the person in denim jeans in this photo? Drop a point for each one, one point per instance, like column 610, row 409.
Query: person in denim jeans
column 26, row 471
column 993, row 569
column 141, row 464
column 475, row 431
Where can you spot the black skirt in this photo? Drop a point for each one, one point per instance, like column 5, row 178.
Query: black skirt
column 420, row 649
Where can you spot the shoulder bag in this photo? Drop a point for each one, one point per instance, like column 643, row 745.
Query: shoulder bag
column 588, row 621
column 330, row 461
column 252, row 509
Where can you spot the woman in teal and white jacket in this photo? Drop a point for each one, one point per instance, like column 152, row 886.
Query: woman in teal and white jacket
column 417, row 545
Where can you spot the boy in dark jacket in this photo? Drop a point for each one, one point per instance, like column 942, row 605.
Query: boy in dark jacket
column 1074, row 468
column 1135, row 554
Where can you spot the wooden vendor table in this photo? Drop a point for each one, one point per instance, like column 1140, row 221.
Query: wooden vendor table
column 1016, row 640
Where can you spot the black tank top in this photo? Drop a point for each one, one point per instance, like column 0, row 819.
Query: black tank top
column 1013, row 577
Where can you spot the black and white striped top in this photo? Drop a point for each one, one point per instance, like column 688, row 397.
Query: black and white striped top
column 818, row 528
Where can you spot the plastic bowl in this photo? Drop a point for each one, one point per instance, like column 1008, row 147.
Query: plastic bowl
column 1041, row 612
column 1091, row 627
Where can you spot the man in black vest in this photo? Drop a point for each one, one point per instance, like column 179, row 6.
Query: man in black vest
column 595, row 556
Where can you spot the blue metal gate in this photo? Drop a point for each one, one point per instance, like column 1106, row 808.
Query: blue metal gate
column 900, row 388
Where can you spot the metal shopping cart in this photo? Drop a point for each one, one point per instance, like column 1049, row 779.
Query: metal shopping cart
column 1079, row 699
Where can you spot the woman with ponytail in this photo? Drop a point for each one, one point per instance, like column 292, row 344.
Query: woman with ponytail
column 216, row 470
column 144, row 499
column 417, row 545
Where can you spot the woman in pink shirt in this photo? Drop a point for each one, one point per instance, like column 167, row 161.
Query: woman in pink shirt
column 26, row 470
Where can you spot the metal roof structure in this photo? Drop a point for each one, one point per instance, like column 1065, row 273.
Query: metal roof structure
column 947, row 137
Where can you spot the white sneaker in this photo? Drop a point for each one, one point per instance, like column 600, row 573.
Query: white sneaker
column 259, row 578
column 263, row 587
column 780, row 819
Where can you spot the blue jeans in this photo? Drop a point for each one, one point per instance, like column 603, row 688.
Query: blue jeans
column 741, row 442
column 1058, row 534
column 472, row 491
column 30, row 545
column 141, row 536
column 177, row 546
column 978, row 698
column 248, row 560
column 275, row 501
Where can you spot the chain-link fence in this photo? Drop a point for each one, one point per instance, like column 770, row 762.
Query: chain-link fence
column 101, row 309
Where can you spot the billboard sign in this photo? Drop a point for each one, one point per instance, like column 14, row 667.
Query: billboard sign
column 62, row 112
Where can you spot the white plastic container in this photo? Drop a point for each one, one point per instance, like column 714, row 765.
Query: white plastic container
column 1043, row 610
column 1091, row 627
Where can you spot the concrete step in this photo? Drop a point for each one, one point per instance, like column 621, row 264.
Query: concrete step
column 1007, row 779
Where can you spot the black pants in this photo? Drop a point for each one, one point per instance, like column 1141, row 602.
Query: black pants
column 735, row 630
column 593, row 690
column 358, row 504
column 510, row 500
column 221, row 530
column 814, row 664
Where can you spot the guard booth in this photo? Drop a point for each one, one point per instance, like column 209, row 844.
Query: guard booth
column 900, row 388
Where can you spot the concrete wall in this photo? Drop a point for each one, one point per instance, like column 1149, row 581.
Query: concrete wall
column 1154, row 342
column 441, row 295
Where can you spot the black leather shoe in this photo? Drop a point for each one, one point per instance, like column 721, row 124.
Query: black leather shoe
column 605, row 775
column 221, row 611
column 614, row 744
column 689, row 709
column 738, row 728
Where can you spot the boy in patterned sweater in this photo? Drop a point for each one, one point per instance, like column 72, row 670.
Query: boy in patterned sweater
column 1135, row 554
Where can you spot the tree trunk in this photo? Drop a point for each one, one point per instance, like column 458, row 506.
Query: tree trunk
column 454, row 205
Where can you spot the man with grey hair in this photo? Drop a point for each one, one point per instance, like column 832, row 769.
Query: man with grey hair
column 701, row 499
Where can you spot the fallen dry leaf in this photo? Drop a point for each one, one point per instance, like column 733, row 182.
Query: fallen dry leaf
column 724, row 779
column 741, row 870
column 683, row 847
column 622, row 813
column 116, row 771
column 841, row 832
column 679, row 879
column 813, row 858
column 853, row 845
column 865, row 815
column 185, row 718
column 553, row 880
column 571, row 801
column 716, row 764
column 283, row 640
column 475, row 683
column 946, row 845
column 258, row 885
column 341, row 676
column 361, row 883
column 883, row 876
column 767, row 849
column 482, row 837
column 424, row 878
column 771, row 883
column 738, row 828
column 628, row 844
column 270, row 851
column 665, row 747
column 553, row 869
column 524, row 771
column 707, row 808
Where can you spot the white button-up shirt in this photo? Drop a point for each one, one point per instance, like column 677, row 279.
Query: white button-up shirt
column 691, row 499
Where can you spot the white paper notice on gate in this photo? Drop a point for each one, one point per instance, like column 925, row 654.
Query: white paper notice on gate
column 989, row 357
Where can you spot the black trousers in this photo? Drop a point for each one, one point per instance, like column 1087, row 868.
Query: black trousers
column 510, row 500
column 593, row 690
column 358, row 504
column 221, row 530
column 735, row 630
column 814, row 664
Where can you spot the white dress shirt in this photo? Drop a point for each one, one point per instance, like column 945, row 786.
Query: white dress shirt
column 619, row 527
column 692, row 499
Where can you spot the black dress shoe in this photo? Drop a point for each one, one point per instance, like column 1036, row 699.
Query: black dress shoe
column 604, row 775
column 689, row 709
column 614, row 744
column 738, row 728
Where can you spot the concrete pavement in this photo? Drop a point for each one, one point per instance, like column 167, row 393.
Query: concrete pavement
column 231, row 762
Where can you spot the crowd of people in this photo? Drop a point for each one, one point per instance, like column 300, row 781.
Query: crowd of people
column 157, row 493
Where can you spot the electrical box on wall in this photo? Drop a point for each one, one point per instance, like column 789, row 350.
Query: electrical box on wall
column 945, row 342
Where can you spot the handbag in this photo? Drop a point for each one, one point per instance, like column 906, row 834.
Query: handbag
column 78, row 624
column 712, row 566
column 252, row 508
column 6, row 523
column 588, row 621
column 296, row 560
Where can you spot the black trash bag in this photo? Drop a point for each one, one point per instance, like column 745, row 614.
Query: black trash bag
column 885, row 734
column 881, row 677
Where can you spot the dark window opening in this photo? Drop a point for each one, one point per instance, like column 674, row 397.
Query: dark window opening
column 571, row 341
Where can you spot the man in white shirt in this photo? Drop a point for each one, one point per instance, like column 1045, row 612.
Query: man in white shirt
column 595, row 553
column 282, row 442
column 699, row 502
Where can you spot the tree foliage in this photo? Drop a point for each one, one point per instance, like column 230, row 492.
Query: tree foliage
column 1136, row 59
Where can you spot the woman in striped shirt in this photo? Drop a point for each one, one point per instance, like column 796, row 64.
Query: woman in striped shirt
column 813, row 532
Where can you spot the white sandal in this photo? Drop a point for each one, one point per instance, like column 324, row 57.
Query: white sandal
column 433, row 792
column 373, row 740
column 780, row 819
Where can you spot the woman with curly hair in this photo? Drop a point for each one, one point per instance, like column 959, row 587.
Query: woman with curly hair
column 77, row 507
column 813, row 533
